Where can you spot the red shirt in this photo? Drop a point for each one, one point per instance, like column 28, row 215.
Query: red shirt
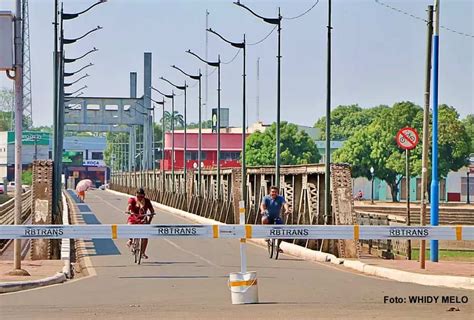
column 138, row 210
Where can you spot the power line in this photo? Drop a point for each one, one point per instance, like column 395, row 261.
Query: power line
column 232, row 60
column 421, row 19
column 265, row 38
column 302, row 14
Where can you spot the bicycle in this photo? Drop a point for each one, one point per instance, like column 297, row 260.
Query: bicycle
column 273, row 245
column 136, row 245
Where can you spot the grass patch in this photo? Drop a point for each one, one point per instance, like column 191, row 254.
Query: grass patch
column 4, row 198
column 447, row 255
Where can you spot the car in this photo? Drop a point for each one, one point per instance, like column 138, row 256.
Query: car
column 11, row 187
column 104, row 186
column 2, row 188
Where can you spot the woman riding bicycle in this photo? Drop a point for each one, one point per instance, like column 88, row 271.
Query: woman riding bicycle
column 137, row 208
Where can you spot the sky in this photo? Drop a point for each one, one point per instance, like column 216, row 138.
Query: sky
column 378, row 54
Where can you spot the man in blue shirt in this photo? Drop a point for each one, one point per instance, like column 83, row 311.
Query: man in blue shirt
column 271, row 207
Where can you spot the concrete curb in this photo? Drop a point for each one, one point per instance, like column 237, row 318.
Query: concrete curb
column 24, row 285
column 456, row 282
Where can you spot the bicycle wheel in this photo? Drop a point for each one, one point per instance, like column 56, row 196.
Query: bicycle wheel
column 139, row 251
column 136, row 249
column 277, row 248
column 270, row 246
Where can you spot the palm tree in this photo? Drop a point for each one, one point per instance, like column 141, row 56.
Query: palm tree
column 178, row 120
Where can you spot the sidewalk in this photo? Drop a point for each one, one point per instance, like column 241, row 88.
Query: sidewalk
column 42, row 273
column 445, row 268
column 38, row 269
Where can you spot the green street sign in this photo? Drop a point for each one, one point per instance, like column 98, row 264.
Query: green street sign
column 31, row 138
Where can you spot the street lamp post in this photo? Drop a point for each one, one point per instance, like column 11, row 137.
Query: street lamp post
column 59, row 75
column 468, row 201
column 183, row 88
column 170, row 96
column 277, row 22
column 372, row 171
column 218, row 66
column 198, row 77
column 240, row 45
column 243, row 191
column 162, row 167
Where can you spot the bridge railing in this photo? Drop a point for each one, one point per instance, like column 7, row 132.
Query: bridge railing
column 7, row 214
column 302, row 186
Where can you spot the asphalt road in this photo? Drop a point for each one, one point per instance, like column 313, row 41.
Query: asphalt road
column 187, row 278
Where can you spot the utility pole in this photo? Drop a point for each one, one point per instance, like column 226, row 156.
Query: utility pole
column 258, row 89
column 327, row 176
column 434, row 208
column 18, row 135
column 426, row 119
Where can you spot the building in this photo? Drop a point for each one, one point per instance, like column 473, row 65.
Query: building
column 35, row 145
column 231, row 147
column 83, row 157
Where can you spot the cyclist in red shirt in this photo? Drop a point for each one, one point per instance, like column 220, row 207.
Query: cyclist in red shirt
column 138, row 206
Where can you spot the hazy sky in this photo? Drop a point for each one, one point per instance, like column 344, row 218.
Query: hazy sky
column 378, row 54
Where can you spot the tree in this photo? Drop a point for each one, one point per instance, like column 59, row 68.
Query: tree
column 205, row 124
column 296, row 146
column 176, row 117
column 347, row 120
column 27, row 177
column 468, row 123
column 375, row 145
column 7, row 105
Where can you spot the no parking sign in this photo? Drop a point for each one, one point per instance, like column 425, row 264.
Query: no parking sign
column 407, row 138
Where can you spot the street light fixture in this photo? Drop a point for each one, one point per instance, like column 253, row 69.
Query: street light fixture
column 66, row 60
column 66, row 94
column 71, row 83
column 69, row 74
column 59, row 74
column 170, row 96
column 70, row 41
column 277, row 22
column 69, row 16
column 240, row 45
column 372, row 171
column 183, row 88
column 218, row 66
column 198, row 77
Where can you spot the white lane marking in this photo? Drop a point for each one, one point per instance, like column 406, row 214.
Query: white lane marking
column 192, row 253
column 169, row 241
column 154, row 207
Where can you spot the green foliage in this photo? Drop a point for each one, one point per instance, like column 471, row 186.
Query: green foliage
column 27, row 177
column 296, row 146
column 374, row 145
column 347, row 120
column 7, row 100
column 205, row 124
column 176, row 117
column 469, row 125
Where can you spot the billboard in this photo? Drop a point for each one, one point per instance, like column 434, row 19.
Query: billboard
column 73, row 158
column 30, row 138
column 224, row 118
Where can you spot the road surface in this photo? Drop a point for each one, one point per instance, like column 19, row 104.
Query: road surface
column 187, row 278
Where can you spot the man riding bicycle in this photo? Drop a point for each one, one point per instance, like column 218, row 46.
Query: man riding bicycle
column 271, row 205
column 137, row 208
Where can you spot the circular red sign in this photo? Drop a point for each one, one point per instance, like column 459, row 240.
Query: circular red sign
column 407, row 138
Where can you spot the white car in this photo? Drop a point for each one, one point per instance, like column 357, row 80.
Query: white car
column 11, row 186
